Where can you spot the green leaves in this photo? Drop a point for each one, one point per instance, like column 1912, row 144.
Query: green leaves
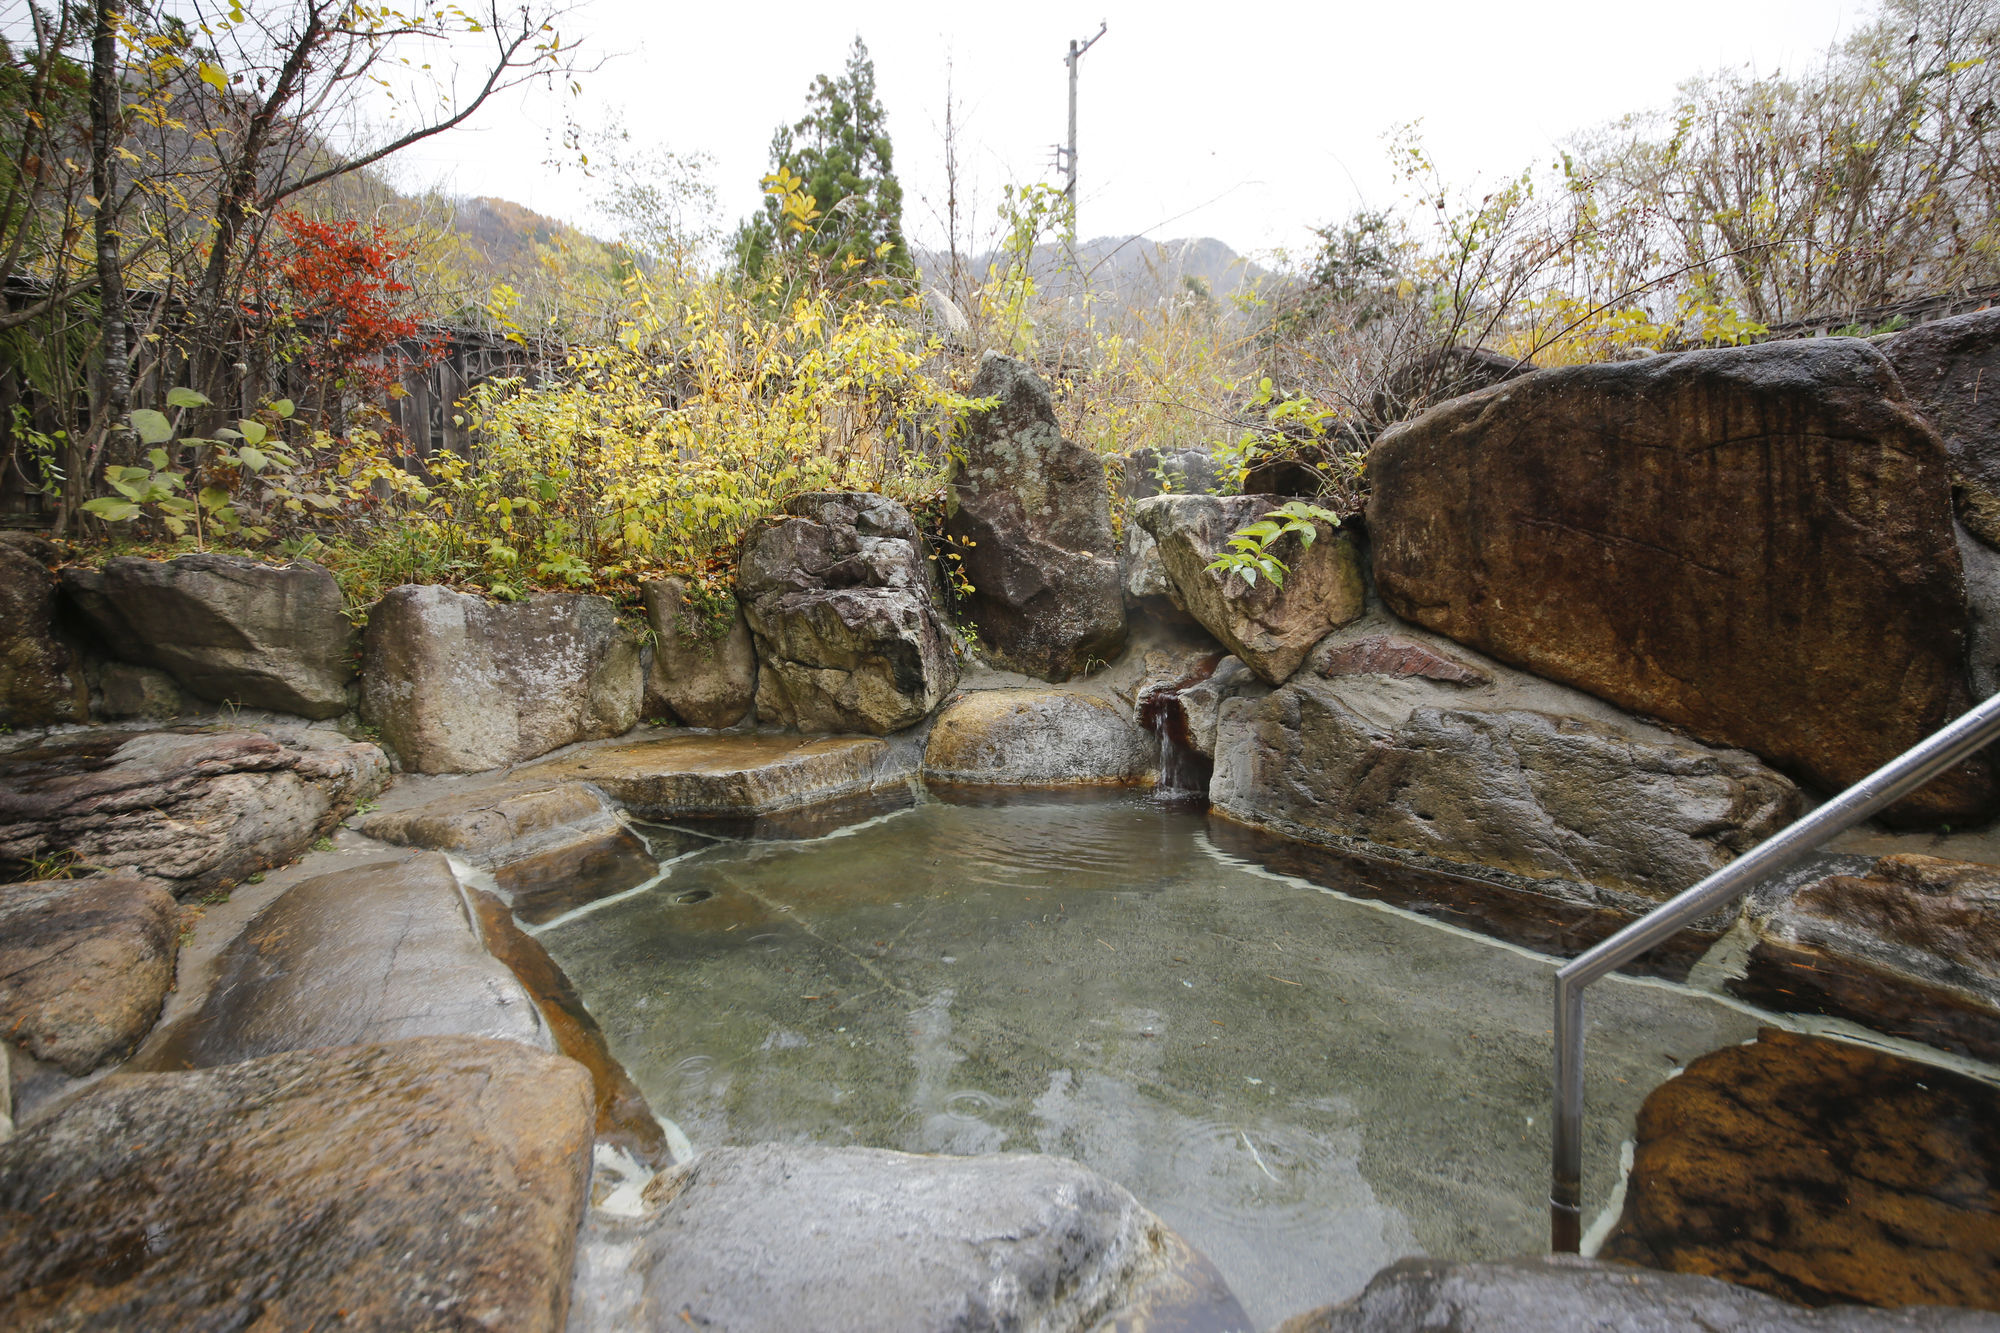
column 1249, row 553
column 153, row 427
column 179, row 397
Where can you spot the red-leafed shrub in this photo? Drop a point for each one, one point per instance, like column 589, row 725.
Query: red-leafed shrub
column 346, row 306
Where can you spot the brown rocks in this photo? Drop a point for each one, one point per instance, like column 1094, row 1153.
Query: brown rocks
column 41, row 678
column 1907, row 944
column 1037, row 738
column 703, row 674
column 839, row 597
column 425, row 1184
column 727, row 775
column 1031, row 513
column 194, row 807
column 84, row 966
column 1821, row 1172
column 457, row 683
column 1754, row 543
column 1949, row 368
column 377, row 953
column 550, row 847
column 1269, row 628
column 1393, row 655
column 1515, row 776
column 229, row 629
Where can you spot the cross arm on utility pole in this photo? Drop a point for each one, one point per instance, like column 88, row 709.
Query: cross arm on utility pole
column 1068, row 154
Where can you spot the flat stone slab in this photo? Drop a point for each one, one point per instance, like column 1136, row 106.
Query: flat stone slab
column 1820, row 1172
column 551, row 847
column 725, row 775
column 832, row 1239
column 1569, row 1295
column 377, row 953
column 196, row 807
column 84, row 965
column 1038, row 738
column 426, row 1184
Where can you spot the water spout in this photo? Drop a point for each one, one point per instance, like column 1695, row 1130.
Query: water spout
column 1184, row 769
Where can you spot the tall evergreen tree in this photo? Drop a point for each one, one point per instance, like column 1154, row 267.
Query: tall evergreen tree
column 840, row 149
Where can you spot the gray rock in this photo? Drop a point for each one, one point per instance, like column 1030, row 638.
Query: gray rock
column 1982, row 603
column 1270, row 629
column 702, row 678
column 1148, row 590
column 833, row 1239
column 1516, row 776
column 198, row 808
column 1149, row 472
column 1031, row 513
column 457, row 683
column 1201, row 702
column 839, row 597
column 229, row 629
column 136, row 691
column 429, row 1184
column 1944, row 366
column 1569, row 1295
column 1037, row 738
column 41, row 677
column 84, row 966
column 378, row 953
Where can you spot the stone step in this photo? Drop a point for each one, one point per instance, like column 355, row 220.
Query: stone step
column 682, row 776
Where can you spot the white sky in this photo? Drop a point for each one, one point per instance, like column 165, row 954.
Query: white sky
column 1251, row 123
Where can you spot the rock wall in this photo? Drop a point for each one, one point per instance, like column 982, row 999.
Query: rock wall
column 1753, row 543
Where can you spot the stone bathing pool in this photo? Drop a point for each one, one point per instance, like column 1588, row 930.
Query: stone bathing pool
column 1305, row 1083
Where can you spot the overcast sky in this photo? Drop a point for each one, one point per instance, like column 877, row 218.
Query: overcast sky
column 1248, row 122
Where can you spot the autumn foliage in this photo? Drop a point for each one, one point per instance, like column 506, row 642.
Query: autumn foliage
column 346, row 306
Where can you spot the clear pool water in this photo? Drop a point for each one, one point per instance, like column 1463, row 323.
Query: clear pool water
column 1305, row 1085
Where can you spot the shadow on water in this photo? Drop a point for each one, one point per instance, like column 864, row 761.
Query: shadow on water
column 1304, row 1085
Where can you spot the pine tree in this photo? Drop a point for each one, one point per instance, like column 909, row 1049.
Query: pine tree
column 841, row 150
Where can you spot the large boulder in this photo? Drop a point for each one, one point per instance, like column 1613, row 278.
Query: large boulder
column 229, row 629
column 1944, row 366
column 1906, row 944
column 456, row 683
column 1031, row 513
column 1567, row 1294
column 41, row 678
column 377, row 953
column 1270, row 628
column 849, row 638
column 838, row 1239
column 1822, row 1173
column 84, row 966
column 197, row 808
column 427, row 1184
column 1038, row 738
column 704, row 668
column 1753, row 543
column 1472, row 764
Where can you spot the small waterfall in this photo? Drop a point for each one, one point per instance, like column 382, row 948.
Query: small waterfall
column 1184, row 770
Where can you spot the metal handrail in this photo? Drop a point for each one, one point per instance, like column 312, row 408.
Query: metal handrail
column 1895, row 779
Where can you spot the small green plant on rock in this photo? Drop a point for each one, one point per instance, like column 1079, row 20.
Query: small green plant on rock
column 1250, row 548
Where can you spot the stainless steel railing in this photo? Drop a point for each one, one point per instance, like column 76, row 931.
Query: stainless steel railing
column 1895, row 779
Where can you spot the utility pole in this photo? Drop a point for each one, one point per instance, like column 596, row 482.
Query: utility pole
column 1068, row 155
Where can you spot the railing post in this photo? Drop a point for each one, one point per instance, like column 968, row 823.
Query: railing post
column 1566, row 1180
